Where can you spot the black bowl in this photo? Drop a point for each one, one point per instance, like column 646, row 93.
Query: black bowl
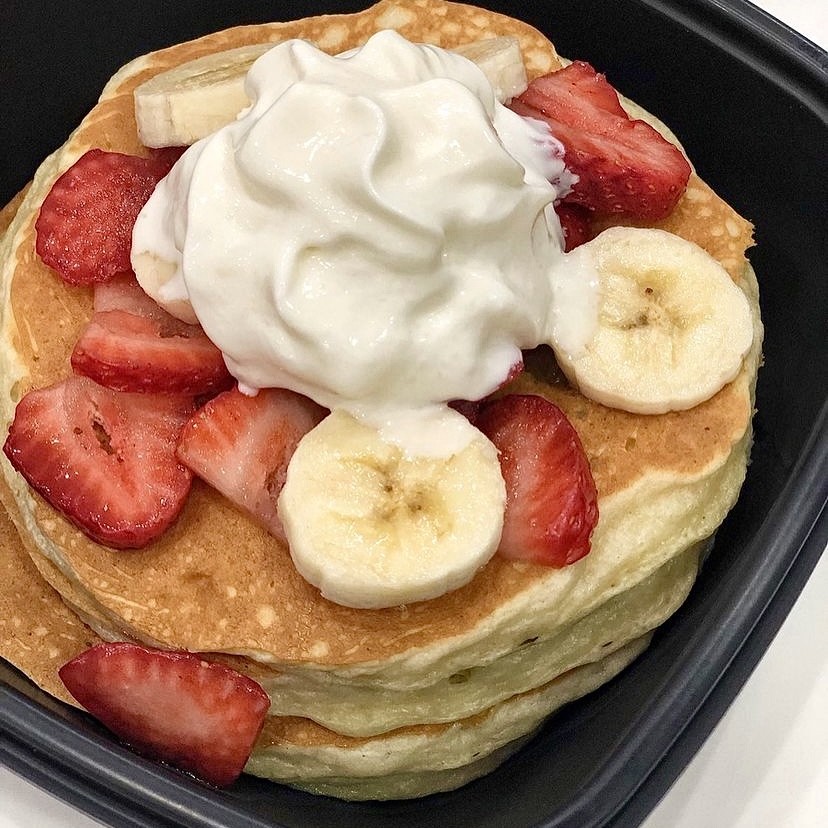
column 747, row 97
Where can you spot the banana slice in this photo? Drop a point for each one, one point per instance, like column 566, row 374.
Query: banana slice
column 501, row 62
column 372, row 526
column 672, row 326
column 154, row 274
column 178, row 107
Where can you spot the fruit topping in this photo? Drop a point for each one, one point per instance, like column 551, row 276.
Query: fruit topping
column 551, row 500
column 672, row 326
column 624, row 166
column 106, row 460
column 199, row 716
column 84, row 230
column 373, row 525
column 575, row 225
column 241, row 445
column 132, row 344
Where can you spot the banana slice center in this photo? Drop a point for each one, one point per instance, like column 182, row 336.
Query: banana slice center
column 395, row 499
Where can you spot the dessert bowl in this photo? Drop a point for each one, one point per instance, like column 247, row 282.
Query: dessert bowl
column 582, row 757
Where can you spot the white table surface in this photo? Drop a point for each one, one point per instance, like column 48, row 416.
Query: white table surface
column 766, row 763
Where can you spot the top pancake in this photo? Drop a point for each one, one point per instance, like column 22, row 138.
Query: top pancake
column 218, row 582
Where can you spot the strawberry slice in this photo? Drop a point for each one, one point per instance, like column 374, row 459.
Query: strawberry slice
column 623, row 165
column 132, row 344
column 166, row 157
column 468, row 408
column 241, row 445
column 551, row 500
column 198, row 716
column 84, row 230
column 575, row 225
column 106, row 460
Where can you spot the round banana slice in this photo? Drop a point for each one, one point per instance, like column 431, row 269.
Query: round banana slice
column 372, row 526
column 672, row 326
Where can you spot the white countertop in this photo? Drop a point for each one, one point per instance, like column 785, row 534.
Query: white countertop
column 766, row 763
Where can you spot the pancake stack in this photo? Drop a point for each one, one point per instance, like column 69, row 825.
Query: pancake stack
column 387, row 703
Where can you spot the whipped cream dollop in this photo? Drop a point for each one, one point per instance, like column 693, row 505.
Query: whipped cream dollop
column 375, row 231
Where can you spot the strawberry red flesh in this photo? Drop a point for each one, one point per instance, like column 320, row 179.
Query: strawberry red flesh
column 84, row 230
column 105, row 460
column 624, row 166
column 198, row 716
column 131, row 344
column 578, row 93
column 165, row 157
column 241, row 445
column 575, row 223
column 551, row 500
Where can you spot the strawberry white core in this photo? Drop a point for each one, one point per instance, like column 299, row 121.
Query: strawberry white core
column 376, row 231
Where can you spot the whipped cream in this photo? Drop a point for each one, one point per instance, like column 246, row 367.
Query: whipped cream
column 375, row 231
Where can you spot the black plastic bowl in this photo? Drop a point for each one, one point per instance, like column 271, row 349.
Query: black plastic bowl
column 747, row 97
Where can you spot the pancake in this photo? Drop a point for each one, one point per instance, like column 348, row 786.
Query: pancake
column 420, row 760
column 512, row 645
column 408, row 761
column 38, row 632
column 411, row 761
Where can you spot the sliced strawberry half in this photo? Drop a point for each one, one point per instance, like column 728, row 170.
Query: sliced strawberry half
column 623, row 165
column 132, row 344
column 166, row 157
column 242, row 445
column 199, row 716
column 551, row 500
column 106, row 460
column 84, row 230
column 575, row 225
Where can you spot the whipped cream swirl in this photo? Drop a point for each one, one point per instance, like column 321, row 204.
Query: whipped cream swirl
column 375, row 231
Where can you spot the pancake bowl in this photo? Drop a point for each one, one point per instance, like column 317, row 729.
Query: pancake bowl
column 138, row 626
